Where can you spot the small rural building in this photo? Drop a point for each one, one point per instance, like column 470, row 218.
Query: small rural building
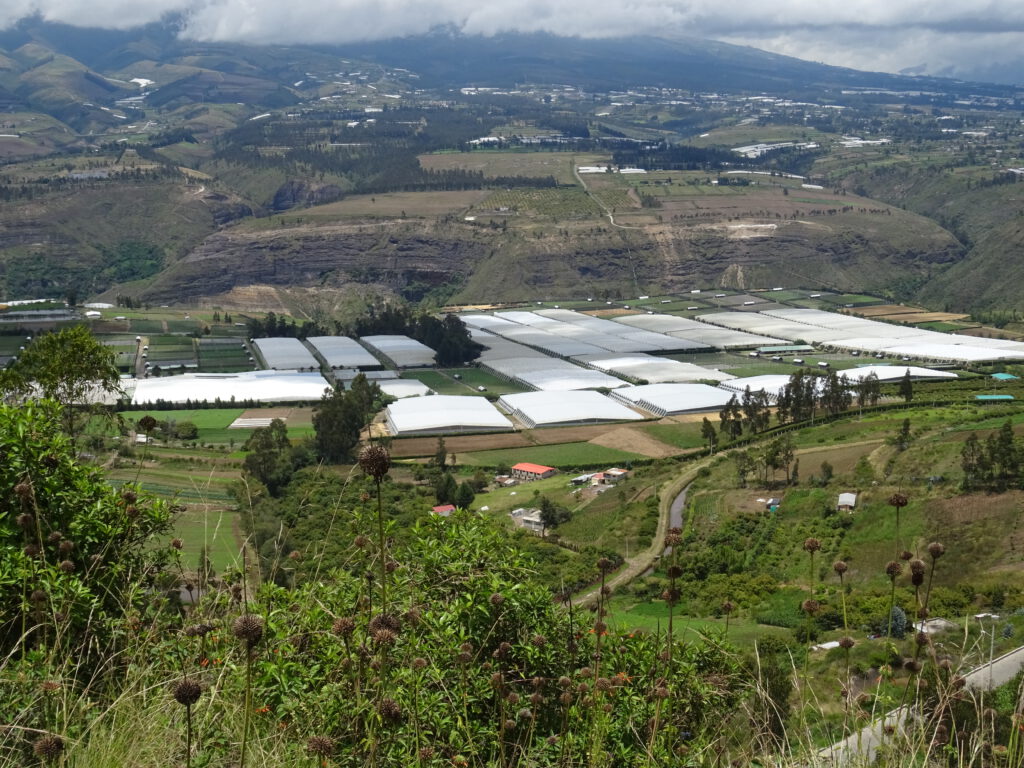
column 527, row 518
column 445, row 510
column 993, row 398
column 581, row 479
column 1004, row 377
column 524, row 470
column 847, row 502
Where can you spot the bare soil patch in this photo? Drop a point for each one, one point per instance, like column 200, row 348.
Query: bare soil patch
column 635, row 441
column 843, row 458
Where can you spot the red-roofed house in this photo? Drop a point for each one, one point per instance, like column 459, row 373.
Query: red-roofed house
column 524, row 470
column 444, row 510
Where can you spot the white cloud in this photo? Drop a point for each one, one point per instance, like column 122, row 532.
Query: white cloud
column 869, row 34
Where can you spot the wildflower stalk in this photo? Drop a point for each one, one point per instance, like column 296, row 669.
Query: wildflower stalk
column 376, row 461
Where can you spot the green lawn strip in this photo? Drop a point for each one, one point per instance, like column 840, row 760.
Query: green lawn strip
column 216, row 528
column 476, row 377
column 626, row 614
column 680, row 435
column 563, row 455
column 438, row 382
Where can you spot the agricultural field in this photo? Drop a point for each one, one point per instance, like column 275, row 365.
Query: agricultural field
column 565, row 455
column 477, row 377
column 494, row 164
column 566, row 203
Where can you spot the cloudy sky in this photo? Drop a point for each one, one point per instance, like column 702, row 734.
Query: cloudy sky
column 923, row 36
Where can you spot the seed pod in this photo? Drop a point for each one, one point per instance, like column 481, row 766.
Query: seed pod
column 343, row 626
column 846, row 642
column 840, row 567
column 893, row 569
column 320, row 746
column 898, row 500
column 186, row 692
column 936, row 550
column 811, row 545
column 375, row 461
column 249, row 629
column 48, row 748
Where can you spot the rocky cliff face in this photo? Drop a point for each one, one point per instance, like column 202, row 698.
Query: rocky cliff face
column 495, row 265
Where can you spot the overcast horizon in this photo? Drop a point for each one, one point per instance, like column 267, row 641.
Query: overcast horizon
column 910, row 36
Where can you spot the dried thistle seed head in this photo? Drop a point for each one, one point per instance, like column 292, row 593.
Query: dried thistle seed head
column 840, row 567
column 512, row 698
column 375, row 461
column 497, row 679
column 419, row 663
column 604, row 565
column 509, row 725
column 811, row 545
column 552, row 740
column 26, row 521
column 147, row 423
column 177, row 544
column 846, row 642
column 917, row 566
column 186, row 692
column 603, row 684
column 922, row 638
column 48, row 747
column 50, row 461
column 898, row 500
column 361, row 541
column 389, row 710
column 66, row 547
column 31, row 550
column 320, row 746
column 605, row 591
column 462, row 657
column 497, row 599
column 386, row 621
column 413, row 616
column 129, row 496
column 384, row 638
column 536, row 699
column 582, row 688
column 941, row 734
column 673, row 540
column 426, row 753
column 913, row 666
column 67, row 566
column 661, row 692
column 537, row 682
column 248, row 628
column 810, row 606
column 906, row 554
column 564, row 682
column 38, row 596
column 539, row 640
column 936, row 550
column 674, row 571
column 49, row 686
column 23, row 490
column 131, row 511
column 343, row 626
column 586, row 672
column 525, row 714
column 893, row 569
column 728, row 607
column 54, row 537
column 466, row 648
column 917, row 579
column 600, row 627
column 565, row 698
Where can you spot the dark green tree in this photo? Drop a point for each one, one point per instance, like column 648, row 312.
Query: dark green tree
column 445, row 488
column 709, row 433
column 464, row 496
column 69, row 367
column 337, row 421
column 552, row 515
column 906, row 389
column 269, row 457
